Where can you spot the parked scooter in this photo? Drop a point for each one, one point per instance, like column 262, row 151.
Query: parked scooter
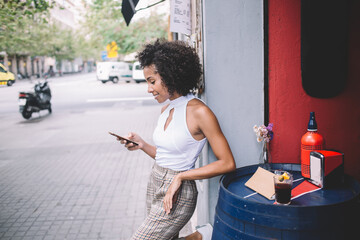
column 30, row 102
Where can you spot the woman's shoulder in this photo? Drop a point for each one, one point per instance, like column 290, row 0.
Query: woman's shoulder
column 198, row 108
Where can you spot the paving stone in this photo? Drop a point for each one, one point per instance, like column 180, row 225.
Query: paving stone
column 67, row 188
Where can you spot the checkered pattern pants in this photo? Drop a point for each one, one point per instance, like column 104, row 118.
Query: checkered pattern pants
column 158, row 225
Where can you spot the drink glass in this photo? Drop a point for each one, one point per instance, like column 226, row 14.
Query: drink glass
column 283, row 183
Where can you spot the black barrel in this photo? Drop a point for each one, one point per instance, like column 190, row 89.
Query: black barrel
column 324, row 214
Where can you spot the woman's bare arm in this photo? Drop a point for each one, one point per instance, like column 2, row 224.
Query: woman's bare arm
column 225, row 163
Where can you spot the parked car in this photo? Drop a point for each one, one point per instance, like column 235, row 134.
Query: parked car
column 114, row 71
column 138, row 74
column 6, row 77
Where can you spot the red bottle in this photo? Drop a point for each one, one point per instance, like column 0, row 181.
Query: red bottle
column 310, row 141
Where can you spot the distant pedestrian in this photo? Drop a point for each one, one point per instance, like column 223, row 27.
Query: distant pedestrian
column 172, row 71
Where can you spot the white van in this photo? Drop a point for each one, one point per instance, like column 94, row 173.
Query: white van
column 138, row 74
column 113, row 71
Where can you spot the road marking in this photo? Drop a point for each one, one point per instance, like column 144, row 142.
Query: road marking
column 119, row 99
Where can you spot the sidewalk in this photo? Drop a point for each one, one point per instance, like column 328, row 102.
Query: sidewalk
column 74, row 183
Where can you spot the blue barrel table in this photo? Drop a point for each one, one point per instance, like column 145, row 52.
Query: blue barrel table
column 324, row 214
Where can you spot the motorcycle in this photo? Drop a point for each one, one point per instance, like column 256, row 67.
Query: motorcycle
column 30, row 102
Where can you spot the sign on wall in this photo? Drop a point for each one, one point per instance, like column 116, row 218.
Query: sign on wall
column 180, row 16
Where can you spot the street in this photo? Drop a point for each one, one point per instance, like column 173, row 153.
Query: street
column 62, row 176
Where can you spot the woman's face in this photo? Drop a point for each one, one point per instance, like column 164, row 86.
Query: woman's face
column 155, row 85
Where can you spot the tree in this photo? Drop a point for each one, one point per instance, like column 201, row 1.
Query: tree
column 17, row 18
column 26, row 30
column 104, row 23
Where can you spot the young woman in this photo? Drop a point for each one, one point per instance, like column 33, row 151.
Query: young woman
column 172, row 71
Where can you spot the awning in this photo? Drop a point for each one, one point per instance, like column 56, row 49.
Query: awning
column 128, row 9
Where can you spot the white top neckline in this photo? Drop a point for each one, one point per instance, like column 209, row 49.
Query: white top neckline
column 176, row 147
column 180, row 100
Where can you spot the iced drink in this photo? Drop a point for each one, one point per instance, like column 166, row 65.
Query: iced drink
column 283, row 184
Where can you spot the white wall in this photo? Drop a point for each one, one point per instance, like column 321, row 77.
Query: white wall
column 234, row 80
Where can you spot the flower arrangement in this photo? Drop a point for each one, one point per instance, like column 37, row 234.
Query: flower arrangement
column 264, row 133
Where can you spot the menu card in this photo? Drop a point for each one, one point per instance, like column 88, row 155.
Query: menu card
column 263, row 183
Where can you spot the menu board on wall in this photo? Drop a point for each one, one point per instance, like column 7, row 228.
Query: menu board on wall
column 180, row 20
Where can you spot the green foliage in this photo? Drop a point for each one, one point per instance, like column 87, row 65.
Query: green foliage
column 104, row 23
column 26, row 29
column 18, row 20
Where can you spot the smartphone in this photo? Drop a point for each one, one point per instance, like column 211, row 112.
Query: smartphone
column 122, row 138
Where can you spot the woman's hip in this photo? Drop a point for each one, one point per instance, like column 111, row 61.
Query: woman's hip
column 161, row 178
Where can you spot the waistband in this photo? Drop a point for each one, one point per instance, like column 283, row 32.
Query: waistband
column 166, row 170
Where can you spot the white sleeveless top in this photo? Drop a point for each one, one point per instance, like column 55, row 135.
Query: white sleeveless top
column 175, row 147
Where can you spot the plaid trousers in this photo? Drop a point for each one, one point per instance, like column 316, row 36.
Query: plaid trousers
column 158, row 225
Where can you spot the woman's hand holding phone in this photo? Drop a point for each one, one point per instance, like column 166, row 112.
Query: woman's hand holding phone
column 134, row 142
column 131, row 142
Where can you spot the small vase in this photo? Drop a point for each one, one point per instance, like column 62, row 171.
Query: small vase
column 265, row 157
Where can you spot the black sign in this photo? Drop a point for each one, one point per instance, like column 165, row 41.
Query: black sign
column 128, row 9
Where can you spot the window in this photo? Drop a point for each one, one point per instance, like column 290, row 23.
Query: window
column 2, row 70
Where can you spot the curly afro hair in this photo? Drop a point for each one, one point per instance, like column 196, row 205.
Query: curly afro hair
column 177, row 64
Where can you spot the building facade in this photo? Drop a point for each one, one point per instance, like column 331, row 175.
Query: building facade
column 251, row 53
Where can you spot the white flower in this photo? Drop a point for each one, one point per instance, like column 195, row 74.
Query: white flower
column 263, row 133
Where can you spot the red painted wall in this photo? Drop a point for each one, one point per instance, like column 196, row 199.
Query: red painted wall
column 338, row 118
